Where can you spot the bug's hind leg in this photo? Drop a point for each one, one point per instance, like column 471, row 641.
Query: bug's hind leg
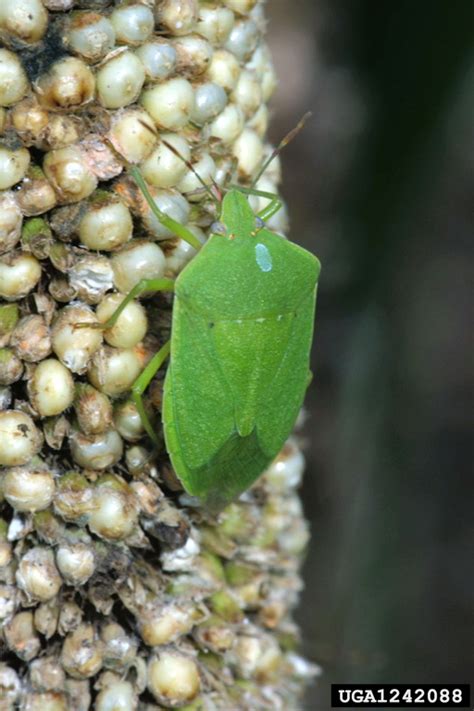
column 141, row 384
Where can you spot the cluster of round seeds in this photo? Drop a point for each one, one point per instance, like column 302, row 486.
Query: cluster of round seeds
column 115, row 593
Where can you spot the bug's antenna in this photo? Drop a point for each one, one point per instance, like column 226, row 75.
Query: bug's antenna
column 187, row 163
column 193, row 170
column 284, row 142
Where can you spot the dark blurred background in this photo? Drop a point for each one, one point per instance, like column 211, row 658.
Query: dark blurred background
column 380, row 187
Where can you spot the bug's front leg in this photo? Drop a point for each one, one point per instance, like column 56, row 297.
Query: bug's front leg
column 141, row 384
column 176, row 227
column 269, row 210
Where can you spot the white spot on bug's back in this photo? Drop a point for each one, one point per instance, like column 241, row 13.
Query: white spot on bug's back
column 264, row 259
column 260, row 320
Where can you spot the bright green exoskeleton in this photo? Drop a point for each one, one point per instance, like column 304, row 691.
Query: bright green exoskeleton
column 241, row 334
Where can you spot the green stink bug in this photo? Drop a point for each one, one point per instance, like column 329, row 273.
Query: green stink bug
column 241, row 334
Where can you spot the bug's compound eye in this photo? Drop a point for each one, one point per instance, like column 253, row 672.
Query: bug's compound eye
column 259, row 223
column 218, row 228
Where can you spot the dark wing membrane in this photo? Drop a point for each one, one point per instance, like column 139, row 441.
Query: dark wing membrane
column 231, row 471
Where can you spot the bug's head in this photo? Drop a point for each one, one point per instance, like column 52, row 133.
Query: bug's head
column 237, row 216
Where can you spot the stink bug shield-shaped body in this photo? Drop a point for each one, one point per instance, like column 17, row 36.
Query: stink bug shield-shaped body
column 239, row 363
column 241, row 335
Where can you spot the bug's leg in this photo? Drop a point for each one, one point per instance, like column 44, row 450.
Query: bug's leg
column 173, row 225
column 141, row 384
column 273, row 206
column 139, row 288
column 270, row 209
